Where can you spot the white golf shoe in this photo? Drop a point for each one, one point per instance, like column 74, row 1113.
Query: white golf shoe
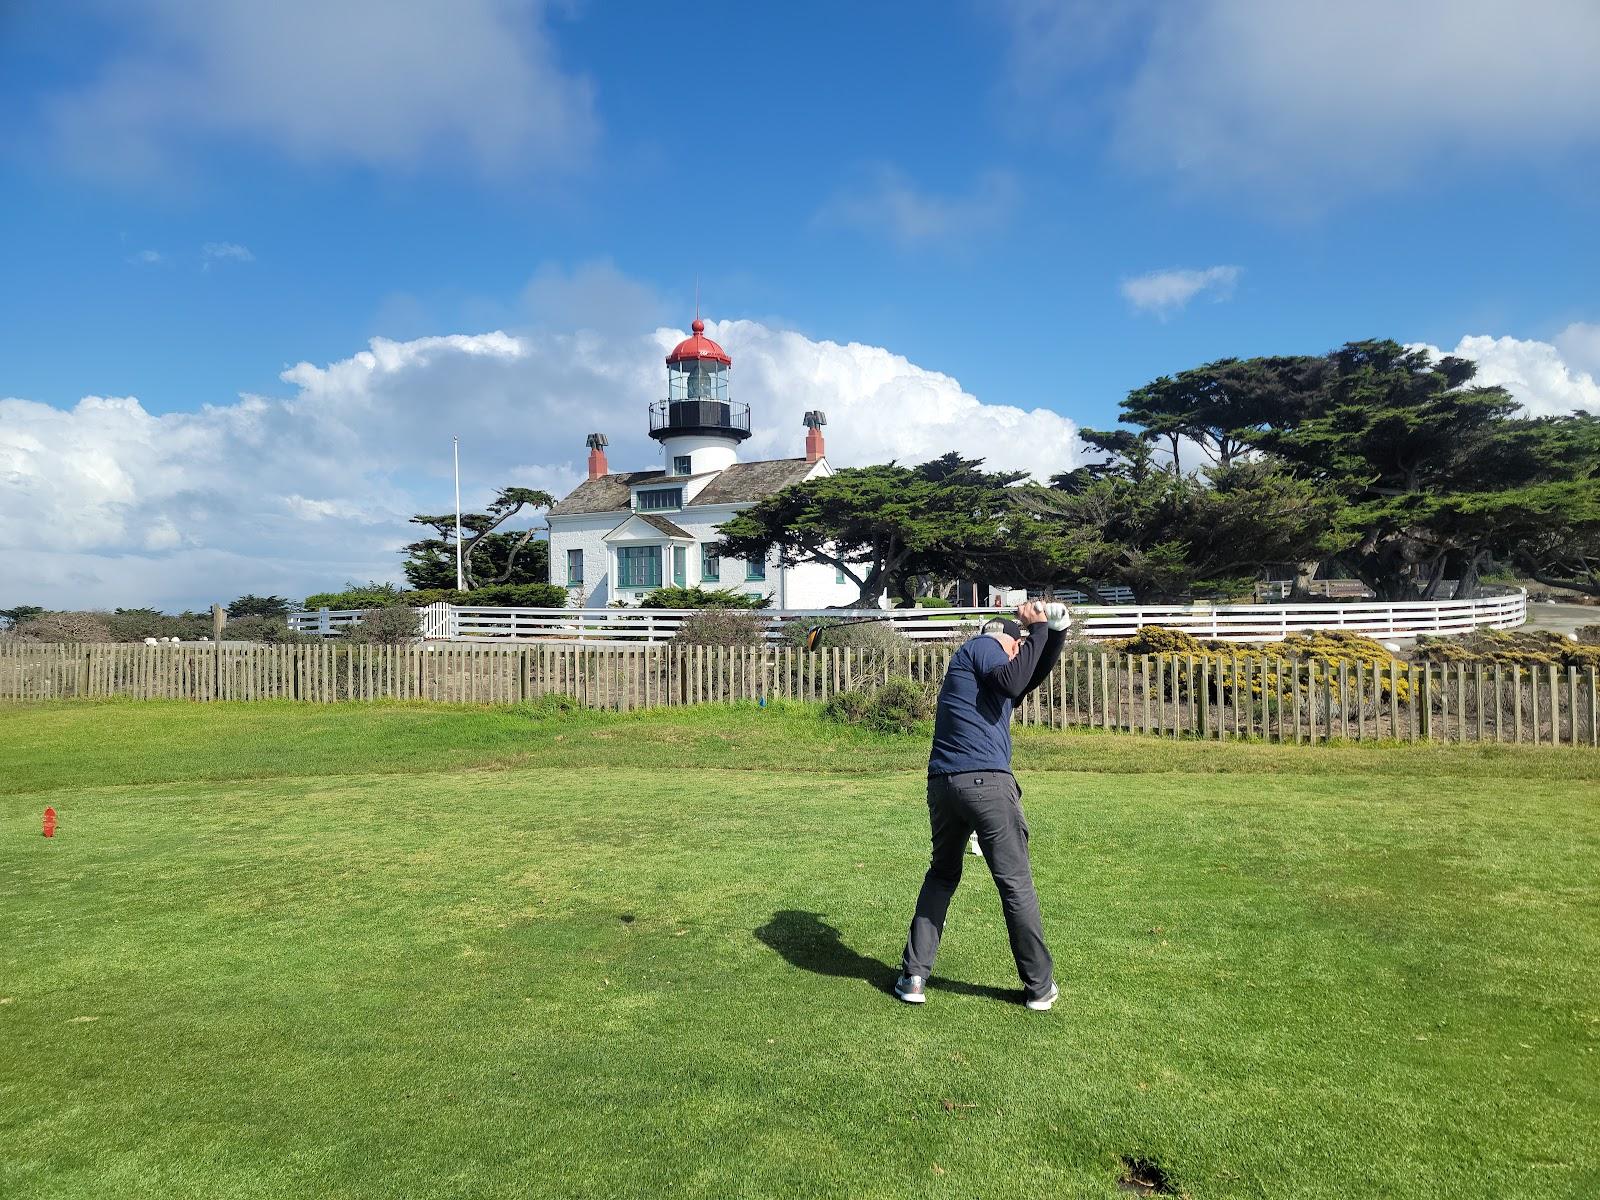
column 909, row 989
column 1043, row 1003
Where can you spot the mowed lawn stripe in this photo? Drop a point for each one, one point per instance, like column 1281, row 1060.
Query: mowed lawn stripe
column 86, row 745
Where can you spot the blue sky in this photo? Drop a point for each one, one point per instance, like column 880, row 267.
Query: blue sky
column 1049, row 203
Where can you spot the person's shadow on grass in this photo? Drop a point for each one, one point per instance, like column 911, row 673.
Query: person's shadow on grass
column 806, row 941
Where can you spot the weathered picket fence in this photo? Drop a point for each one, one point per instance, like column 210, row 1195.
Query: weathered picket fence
column 1279, row 699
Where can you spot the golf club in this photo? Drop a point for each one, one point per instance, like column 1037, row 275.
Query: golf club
column 814, row 634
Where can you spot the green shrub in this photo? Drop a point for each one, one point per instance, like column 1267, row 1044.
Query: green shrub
column 933, row 602
column 698, row 597
column 373, row 595
column 721, row 627
column 427, row 596
column 899, row 705
column 847, row 708
column 519, row 595
column 271, row 631
column 10, row 618
column 393, row 626
column 136, row 624
column 66, row 627
column 543, row 708
column 493, row 595
column 1220, row 591
column 251, row 605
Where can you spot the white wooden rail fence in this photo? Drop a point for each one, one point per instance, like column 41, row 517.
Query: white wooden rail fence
column 1222, row 622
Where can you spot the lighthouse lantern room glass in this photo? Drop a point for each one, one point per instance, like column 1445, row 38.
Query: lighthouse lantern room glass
column 698, row 379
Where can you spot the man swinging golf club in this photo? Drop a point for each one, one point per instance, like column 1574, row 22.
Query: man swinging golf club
column 971, row 791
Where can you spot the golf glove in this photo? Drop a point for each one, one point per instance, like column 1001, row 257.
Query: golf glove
column 1056, row 615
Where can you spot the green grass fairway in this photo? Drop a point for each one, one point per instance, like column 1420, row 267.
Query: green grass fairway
column 416, row 951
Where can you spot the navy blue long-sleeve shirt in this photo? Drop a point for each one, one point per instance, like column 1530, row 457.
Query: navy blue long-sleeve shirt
column 972, row 728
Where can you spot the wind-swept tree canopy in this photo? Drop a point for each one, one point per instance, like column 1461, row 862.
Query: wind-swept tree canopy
column 880, row 526
column 488, row 555
column 1220, row 405
column 1424, row 473
column 1163, row 535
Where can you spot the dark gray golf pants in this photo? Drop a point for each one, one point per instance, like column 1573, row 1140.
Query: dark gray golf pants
column 990, row 803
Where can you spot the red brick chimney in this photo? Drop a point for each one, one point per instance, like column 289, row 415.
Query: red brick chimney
column 597, row 455
column 814, row 421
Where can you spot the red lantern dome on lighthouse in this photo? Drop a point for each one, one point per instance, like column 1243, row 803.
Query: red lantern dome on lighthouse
column 697, row 404
column 697, row 346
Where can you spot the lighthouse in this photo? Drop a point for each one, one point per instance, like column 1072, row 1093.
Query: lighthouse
column 620, row 535
column 698, row 426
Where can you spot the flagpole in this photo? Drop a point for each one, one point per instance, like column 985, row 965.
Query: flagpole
column 461, row 579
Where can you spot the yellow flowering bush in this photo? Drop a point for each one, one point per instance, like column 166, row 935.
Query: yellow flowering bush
column 1257, row 666
column 1519, row 647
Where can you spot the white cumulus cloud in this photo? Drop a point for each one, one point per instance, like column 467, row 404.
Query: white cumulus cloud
column 1534, row 372
column 1579, row 344
column 351, row 81
column 1310, row 100
column 1166, row 292
column 107, row 503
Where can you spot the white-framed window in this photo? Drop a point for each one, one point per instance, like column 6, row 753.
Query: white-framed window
column 660, row 499
column 680, row 464
column 638, row 566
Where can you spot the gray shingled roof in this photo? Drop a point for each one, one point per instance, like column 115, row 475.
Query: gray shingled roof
column 656, row 521
column 741, row 482
column 751, row 481
column 609, row 493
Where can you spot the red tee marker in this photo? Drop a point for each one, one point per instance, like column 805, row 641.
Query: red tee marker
column 49, row 822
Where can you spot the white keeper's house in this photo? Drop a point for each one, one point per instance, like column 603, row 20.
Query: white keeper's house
column 619, row 535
